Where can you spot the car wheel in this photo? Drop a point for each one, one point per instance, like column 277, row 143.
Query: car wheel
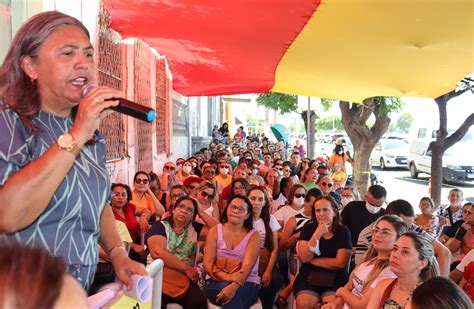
column 413, row 171
column 382, row 164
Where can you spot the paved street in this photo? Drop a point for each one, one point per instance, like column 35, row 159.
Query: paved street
column 399, row 184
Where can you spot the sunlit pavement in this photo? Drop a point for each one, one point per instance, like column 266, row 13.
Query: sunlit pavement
column 400, row 185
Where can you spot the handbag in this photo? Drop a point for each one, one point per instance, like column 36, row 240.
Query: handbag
column 264, row 259
column 226, row 265
column 175, row 284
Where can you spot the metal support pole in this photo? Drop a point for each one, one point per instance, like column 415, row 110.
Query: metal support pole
column 308, row 130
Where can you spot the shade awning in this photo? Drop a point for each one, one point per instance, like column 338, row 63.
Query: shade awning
column 339, row 49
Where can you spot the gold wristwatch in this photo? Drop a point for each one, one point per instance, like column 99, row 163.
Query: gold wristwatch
column 67, row 142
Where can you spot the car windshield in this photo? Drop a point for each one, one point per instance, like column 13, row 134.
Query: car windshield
column 396, row 144
column 459, row 148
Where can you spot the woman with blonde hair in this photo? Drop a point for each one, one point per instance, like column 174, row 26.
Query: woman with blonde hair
column 413, row 261
column 356, row 293
column 206, row 194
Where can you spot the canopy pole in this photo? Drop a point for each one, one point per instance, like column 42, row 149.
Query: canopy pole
column 308, row 130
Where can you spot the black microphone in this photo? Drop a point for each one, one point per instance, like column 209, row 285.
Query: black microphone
column 127, row 107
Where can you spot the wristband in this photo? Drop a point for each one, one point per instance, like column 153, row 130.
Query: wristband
column 315, row 249
column 115, row 247
column 461, row 232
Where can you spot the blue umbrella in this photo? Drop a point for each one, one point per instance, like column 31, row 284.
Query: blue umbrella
column 280, row 133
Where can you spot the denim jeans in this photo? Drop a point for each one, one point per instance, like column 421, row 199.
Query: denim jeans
column 245, row 297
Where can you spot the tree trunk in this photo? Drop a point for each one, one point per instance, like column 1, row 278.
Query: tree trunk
column 443, row 142
column 436, row 173
column 361, row 168
column 354, row 118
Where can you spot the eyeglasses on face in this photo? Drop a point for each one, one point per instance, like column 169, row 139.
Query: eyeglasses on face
column 224, row 166
column 204, row 194
column 210, row 172
column 141, row 181
column 257, row 198
column 298, row 195
column 183, row 208
column 382, row 233
column 238, row 209
column 169, row 167
column 326, row 184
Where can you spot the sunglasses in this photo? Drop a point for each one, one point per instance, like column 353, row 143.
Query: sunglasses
column 325, row 184
column 141, row 181
column 171, row 168
column 224, row 166
column 204, row 194
column 298, row 195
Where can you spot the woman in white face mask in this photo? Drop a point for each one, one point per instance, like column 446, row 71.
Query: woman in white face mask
column 185, row 171
column 349, row 194
column 293, row 206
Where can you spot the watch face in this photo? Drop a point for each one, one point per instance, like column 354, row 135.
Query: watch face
column 66, row 141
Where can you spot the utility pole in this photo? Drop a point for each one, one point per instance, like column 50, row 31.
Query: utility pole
column 309, row 147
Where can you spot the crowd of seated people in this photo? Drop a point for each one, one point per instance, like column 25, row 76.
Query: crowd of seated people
column 242, row 226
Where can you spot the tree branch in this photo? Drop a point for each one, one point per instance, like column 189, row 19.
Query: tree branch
column 368, row 107
column 382, row 121
column 459, row 133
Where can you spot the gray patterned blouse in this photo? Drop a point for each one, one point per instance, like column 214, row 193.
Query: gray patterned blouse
column 69, row 226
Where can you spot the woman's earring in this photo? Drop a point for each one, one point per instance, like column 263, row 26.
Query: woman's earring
column 34, row 81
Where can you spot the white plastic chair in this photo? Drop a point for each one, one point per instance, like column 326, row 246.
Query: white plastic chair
column 155, row 271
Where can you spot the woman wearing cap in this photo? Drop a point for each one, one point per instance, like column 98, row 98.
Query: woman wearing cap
column 339, row 157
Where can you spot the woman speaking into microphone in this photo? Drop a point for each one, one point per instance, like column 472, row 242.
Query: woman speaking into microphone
column 53, row 181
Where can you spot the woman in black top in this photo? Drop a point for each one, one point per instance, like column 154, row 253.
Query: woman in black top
column 324, row 249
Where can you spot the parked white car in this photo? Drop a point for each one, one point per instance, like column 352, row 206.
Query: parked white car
column 390, row 153
column 458, row 162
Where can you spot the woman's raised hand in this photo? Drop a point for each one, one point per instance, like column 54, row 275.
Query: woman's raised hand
column 92, row 108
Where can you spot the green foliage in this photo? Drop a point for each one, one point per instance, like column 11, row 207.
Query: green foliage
column 254, row 124
column 404, row 123
column 296, row 128
column 388, row 104
column 330, row 124
column 283, row 103
column 327, row 104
